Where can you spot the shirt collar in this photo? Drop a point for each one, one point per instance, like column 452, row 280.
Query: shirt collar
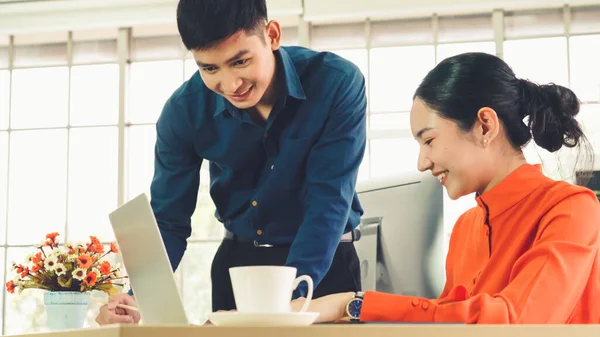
column 511, row 190
column 293, row 86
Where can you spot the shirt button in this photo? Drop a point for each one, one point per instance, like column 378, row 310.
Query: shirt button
column 254, row 203
column 415, row 302
column 425, row 305
column 259, row 232
column 272, row 167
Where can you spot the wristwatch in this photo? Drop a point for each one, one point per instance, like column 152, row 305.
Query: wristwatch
column 354, row 306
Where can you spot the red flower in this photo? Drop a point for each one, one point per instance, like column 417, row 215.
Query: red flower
column 25, row 272
column 90, row 279
column 114, row 248
column 35, row 268
column 105, row 268
column 84, row 261
column 10, row 287
column 37, row 258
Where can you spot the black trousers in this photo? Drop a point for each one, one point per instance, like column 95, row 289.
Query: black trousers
column 343, row 275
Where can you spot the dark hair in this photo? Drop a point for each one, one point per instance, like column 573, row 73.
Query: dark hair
column 461, row 85
column 204, row 23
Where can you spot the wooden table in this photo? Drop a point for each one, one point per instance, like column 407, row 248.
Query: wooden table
column 335, row 330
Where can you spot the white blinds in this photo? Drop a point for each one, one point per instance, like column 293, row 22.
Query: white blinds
column 4, row 41
column 35, row 50
column 405, row 32
column 465, row 28
column 339, row 36
column 585, row 20
column 534, row 23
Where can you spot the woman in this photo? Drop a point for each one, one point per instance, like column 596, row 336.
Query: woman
column 529, row 251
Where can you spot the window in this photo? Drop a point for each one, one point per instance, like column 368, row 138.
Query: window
column 541, row 60
column 49, row 108
column 196, row 272
column 289, row 36
column 585, row 68
column 140, row 159
column 589, row 117
column 451, row 49
column 3, row 183
column 37, row 189
column 92, row 182
column 4, row 98
column 151, row 84
column 395, row 75
column 391, row 156
column 94, row 95
column 390, row 121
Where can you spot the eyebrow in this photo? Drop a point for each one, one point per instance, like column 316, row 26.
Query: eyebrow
column 231, row 59
column 422, row 131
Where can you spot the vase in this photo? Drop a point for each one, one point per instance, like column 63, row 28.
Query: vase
column 66, row 309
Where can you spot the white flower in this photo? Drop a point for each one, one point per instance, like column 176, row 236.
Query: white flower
column 29, row 258
column 60, row 269
column 79, row 274
column 50, row 262
column 97, row 272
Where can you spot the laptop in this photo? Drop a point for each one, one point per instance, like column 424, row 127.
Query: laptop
column 147, row 263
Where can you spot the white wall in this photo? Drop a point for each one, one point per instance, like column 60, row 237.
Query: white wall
column 23, row 17
column 327, row 10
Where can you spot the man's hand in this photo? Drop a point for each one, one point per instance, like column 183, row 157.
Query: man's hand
column 331, row 308
column 111, row 314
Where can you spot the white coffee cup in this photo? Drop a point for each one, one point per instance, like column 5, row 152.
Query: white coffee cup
column 267, row 289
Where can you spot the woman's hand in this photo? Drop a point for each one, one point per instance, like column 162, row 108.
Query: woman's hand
column 331, row 308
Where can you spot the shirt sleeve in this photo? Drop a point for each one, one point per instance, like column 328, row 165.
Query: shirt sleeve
column 331, row 173
column 559, row 262
column 174, row 188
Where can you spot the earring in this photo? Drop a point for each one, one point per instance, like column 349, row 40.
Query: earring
column 485, row 141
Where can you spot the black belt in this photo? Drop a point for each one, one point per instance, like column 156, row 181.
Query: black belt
column 351, row 236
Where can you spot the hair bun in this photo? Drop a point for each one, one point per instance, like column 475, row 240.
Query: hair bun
column 551, row 109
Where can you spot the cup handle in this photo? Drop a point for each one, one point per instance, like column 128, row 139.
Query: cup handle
column 309, row 295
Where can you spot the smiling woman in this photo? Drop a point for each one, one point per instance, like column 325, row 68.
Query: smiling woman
column 529, row 237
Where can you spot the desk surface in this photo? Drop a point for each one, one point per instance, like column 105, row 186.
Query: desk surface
column 335, row 330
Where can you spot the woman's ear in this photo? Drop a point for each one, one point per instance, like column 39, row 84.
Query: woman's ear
column 487, row 126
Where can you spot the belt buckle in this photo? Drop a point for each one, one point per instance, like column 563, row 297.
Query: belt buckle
column 261, row 245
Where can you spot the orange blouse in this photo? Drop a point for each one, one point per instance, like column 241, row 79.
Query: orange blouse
column 527, row 253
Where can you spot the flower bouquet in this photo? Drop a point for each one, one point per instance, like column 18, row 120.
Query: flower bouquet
column 69, row 273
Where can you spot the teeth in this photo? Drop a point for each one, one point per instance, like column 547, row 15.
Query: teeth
column 242, row 94
column 441, row 176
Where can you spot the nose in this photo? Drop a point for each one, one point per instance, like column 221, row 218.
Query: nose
column 231, row 83
column 423, row 163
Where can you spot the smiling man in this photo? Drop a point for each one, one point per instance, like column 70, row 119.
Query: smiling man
column 284, row 132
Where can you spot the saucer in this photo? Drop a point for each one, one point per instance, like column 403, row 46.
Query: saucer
column 233, row 318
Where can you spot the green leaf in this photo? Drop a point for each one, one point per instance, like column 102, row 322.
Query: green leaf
column 65, row 281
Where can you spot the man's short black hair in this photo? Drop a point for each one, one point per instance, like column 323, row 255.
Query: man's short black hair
column 204, row 23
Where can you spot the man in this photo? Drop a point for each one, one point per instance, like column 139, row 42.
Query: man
column 284, row 130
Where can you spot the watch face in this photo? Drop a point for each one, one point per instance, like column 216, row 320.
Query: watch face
column 354, row 308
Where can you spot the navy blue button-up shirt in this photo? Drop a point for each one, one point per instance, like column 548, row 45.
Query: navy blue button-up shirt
column 293, row 178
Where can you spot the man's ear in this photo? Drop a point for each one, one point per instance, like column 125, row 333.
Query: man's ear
column 273, row 34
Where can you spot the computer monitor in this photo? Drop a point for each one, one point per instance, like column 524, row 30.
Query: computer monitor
column 402, row 247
